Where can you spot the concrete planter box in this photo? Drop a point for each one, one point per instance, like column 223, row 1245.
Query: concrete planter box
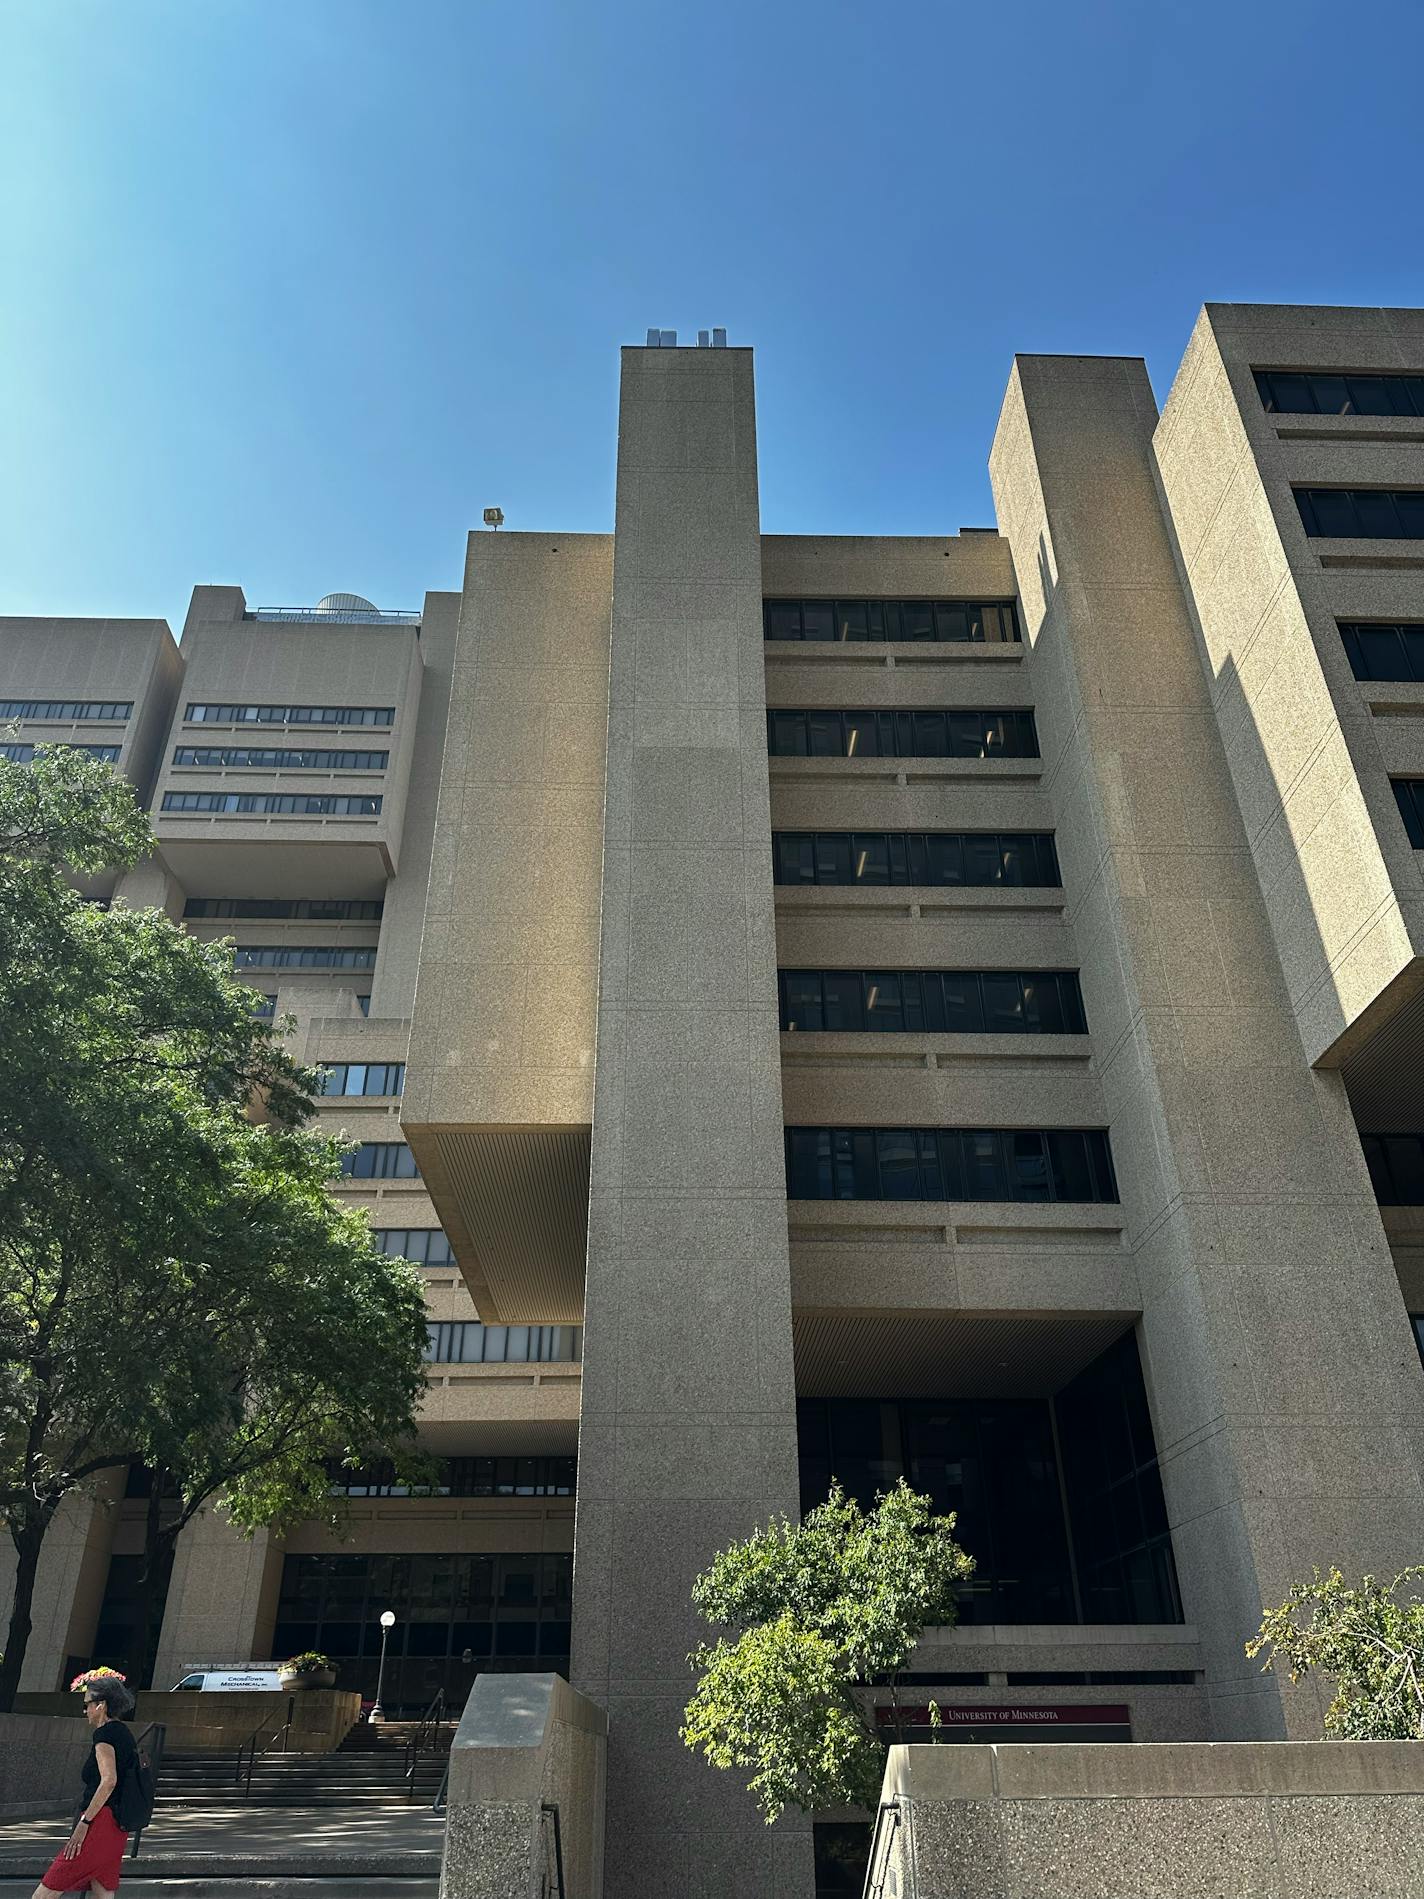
column 1170, row 1820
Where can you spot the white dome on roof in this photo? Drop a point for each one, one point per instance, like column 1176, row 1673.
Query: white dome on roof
column 345, row 603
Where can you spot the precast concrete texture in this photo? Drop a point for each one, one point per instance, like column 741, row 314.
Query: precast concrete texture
column 528, row 1752
column 1310, row 747
column 1283, row 1378
column 232, row 659
column 499, row 1092
column 688, row 1433
column 1283, row 1820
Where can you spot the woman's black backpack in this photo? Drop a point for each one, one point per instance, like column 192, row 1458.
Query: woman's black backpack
column 133, row 1799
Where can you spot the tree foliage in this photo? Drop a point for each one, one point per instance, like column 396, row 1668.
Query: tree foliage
column 177, row 1285
column 817, row 1608
column 1368, row 1639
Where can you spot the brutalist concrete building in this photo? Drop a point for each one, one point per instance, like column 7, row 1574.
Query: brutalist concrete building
column 843, row 1008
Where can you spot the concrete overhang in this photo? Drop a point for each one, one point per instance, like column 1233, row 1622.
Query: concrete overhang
column 514, row 1204
column 209, row 859
column 947, row 1354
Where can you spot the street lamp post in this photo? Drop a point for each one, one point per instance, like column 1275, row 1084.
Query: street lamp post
column 388, row 1622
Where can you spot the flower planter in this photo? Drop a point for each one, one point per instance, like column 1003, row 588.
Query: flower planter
column 314, row 1678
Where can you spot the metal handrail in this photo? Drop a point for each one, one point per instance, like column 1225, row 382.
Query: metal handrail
column 556, row 1891
column 875, row 1882
column 438, row 1803
column 159, row 1728
column 429, row 1724
column 250, row 1748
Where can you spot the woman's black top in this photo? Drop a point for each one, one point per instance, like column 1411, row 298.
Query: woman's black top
column 125, row 1749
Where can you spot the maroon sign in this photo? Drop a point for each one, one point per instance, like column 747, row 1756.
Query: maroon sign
column 992, row 1715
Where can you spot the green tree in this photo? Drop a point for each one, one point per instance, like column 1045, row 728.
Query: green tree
column 817, row 1609
column 177, row 1286
column 1369, row 1640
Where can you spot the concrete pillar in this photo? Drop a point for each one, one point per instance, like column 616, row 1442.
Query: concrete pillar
column 74, row 1565
column 1283, row 1375
column 688, row 1433
column 222, row 1598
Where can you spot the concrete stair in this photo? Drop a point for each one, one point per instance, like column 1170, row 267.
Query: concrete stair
column 367, row 1770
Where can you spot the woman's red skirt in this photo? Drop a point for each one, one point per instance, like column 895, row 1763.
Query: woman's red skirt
column 101, row 1857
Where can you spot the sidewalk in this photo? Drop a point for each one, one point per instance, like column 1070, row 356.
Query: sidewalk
column 254, row 1841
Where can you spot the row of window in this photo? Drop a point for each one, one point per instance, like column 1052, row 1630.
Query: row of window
column 1068, row 1164
column 292, row 909
column 819, row 734
column 1409, row 796
column 938, row 1001
column 464, row 1477
column 363, row 1078
column 265, row 1007
column 422, row 1245
column 1374, row 514
column 21, row 753
column 278, row 803
column 1323, row 392
column 944, row 622
column 915, row 857
column 504, row 1606
column 294, row 956
column 1383, row 650
column 466, row 1342
column 279, row 758
column 66, row 708
column 381, row 1160
column 200, row 714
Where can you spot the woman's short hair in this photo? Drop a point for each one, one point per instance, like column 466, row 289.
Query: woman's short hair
column 113, row 1693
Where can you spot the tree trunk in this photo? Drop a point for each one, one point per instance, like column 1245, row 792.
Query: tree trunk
column 28, row 1538
column 159, row 1539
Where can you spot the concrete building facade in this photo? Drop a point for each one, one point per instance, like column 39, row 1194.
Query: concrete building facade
column 851, row 1007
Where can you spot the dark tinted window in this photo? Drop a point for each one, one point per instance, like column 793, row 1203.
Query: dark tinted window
column 915, row 857
column 1384, row 650
column 1381, row 514
column 1328, row 392
column 940, row 621
column 273, row 758
column 1409, row 796
column 298, row 956
column 363, row 1078
column 66, row 708
column 1008, row 1002
column 209, row 714
column 380, row 1160
column 297, row 909
column 1066, row 1164
column 22, row 752
column 467, row 1342
column 1396, row 1164
column 820, row 734
column 273, row 803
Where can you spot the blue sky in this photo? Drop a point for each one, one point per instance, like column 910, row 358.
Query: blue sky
column 289, row 292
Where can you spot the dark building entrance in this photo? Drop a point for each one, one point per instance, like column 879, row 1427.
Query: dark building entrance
column 1059, row 1500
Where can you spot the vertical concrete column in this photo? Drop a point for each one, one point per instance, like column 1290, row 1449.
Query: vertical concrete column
column 69, row 1587
column 688, row 1432
column 222, row 1597
column 1281, row 1367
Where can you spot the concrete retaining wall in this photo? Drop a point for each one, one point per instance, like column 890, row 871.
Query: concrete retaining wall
column 525, row 1743
column 40, row 1759
column 320, row 1716
column 1179, row 1820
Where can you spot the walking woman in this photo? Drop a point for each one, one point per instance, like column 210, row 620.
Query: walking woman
column 92, row 1858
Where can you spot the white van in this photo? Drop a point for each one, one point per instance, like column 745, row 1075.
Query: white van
column 232, row 1681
